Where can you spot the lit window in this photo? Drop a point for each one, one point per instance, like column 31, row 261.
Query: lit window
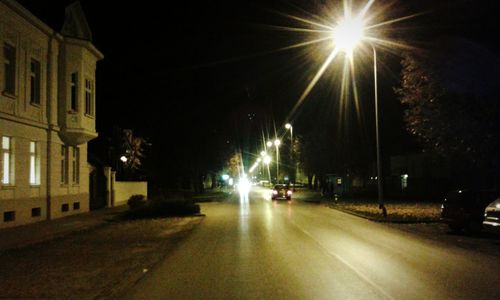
column 64, row 164
column 404, row 181
column 74, row 91
column 34, row 164
column 7, row 160
column 9, row 58
column 89, row 97
column 76, row 165
column 35, row 82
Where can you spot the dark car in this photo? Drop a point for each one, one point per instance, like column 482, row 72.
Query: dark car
column 464, row 209
column 491, row 222
column 281, row 191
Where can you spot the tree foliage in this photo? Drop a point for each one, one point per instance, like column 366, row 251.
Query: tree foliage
column 134, row 149
column 452, row 106
column 234, row 164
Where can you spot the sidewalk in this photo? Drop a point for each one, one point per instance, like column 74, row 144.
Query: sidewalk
column 21, row 236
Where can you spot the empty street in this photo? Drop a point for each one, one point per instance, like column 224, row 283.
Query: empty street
column 255, row 248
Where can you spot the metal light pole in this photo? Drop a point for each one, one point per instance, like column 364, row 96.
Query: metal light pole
column 277, row 144
column 377, row 137
column 292, row 162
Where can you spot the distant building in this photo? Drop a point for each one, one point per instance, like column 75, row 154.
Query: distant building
column 47, row 115
column 418, row 175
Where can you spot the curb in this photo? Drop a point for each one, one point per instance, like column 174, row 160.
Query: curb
column 380, row 220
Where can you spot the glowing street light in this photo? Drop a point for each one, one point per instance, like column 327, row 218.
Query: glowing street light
column 123, row 158
column 267, row 159
column 263, row 153
column 269, row 144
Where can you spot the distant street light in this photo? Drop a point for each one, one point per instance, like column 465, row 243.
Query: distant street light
column 269, row 144
column 123, row 158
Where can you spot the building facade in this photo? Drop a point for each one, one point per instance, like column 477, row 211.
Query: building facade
column 47, row 115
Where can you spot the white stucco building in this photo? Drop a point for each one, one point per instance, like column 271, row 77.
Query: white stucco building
column 47, row 115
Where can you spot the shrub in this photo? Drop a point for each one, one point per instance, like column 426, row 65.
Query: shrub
column 159, row 207
column 136, row 202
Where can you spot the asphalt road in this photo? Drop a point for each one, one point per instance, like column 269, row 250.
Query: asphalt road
column 254, row 248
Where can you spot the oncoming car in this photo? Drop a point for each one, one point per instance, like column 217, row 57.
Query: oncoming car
column 281, row 191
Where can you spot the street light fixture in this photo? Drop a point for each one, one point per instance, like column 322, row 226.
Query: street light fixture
column 347, row 35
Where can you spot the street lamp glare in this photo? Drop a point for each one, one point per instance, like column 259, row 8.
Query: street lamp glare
column 123, row 158
column 288, row 126
column 348, row 33
column 263, row 153
column 269, row 143
column 267, row 159
column 277, row 142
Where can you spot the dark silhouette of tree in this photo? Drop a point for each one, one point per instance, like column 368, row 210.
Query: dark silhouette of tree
column 452, row 104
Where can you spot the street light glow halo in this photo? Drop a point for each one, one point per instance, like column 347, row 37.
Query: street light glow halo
column 348, row 33
column 288, row 126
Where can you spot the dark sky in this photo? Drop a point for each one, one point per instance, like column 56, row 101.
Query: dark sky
column 186, row 74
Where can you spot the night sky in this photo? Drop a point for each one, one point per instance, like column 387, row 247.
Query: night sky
column 197, row 77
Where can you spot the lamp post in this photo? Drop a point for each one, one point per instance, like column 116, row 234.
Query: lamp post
column 267, row 160
column 347, row 35
column 277, row 144
column 289, row 126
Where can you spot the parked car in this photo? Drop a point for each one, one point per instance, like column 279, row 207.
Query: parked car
column 491, row 220
column 464, row 209
column 281, row 191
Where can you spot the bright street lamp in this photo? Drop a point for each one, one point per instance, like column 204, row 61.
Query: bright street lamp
column 269, row 144
column 347, row 35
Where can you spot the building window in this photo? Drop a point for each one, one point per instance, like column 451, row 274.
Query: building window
column 64, row 164
column 76, row 205
column 34, row 164
column 74, row 91
column 89, row 97
column 9, row 58
column 65, row 207
column 9, row 216
column 35, row 82
column 36, row 212
column 7, row 159
column 75, row 161
column 404, row 181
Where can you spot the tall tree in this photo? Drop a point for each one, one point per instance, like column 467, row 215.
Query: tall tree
column 452, row 105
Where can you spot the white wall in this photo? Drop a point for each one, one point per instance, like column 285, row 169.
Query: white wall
column 124, row 189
